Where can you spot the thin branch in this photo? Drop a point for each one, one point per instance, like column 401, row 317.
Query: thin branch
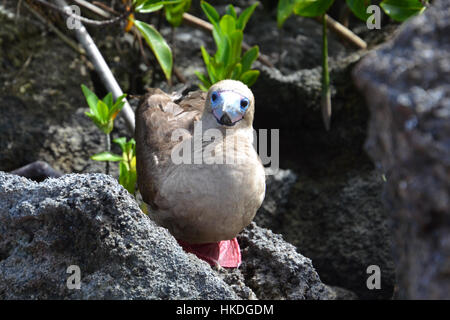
column 108, row 148
column 179, row 75
column 103, row 70
column 191, row 20
column 326, row 95
column 105, row 7
column 98, row 11
column 19, row 3
column 61, row 35
column 343, row 32
column 69, row 14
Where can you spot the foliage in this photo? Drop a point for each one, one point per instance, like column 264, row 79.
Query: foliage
column 228, row 61
column 399, row 10
column 305, row 8
column 127, row 162
column 152, row 37
column 174, row 12
column 158, row 45
column 359, row 8
column 103, row 112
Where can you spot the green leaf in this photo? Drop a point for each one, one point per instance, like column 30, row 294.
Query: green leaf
column 312, row 8
column 359, row 8
column 249, row 77
column 154, row 5
column 249, row 57
column 94, row 119
column 236, row 74
column 130, row 147
column 159, row 47
column 227, row 57
column 284, row 10
column 231, row 11
column 174, row 12
column 227, row 24
column 120, row 98
column 108, row 100
column 127, row 177
column 117, row 107
column 103, row 111
column 148, row 8
column 203, row 79
column 106, row 156
column 205, row 55
column 245, row 16
column 401, row 10
column 236, row 47
column 214, row 69
column 211, row 13
column 221, row 41
column 122, row 141
column 91, row 99
column 139, row 2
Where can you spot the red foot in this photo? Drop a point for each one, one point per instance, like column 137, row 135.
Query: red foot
column 225, row 253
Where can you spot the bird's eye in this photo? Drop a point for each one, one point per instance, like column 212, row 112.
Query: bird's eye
column 244, row 103
column 214, row 97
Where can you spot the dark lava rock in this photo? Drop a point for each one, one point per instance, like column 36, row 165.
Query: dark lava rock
column 407, row 86
column 278, row 187
column 274, row 269
column 340, row 223
column 90, row 221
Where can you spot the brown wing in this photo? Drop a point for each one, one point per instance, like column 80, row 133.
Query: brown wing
column 157, row 118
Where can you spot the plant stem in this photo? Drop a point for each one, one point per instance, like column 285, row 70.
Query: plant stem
column 343, row 32
column 108, row 148
column 326, row 96
column 103, row 70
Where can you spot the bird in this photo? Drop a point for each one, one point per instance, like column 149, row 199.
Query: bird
column 206, row 201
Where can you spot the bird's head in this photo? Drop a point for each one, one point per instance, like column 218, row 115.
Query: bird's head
column 231, row 103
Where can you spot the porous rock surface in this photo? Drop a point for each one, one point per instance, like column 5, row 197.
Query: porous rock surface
column 90, row 221
column 406, row 83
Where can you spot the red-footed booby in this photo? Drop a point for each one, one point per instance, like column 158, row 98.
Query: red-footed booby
column 208, row 199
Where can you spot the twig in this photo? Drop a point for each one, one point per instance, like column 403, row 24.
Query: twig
column 179, row 75
column 108, row 148
column 61, row 35
column 83, row 19
column 105, row 7
column 98, row 11
column 343, row 32
column 19, row 3
column 25, row 66
column 191, row 20
column 326, row 95
column 103, row 70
